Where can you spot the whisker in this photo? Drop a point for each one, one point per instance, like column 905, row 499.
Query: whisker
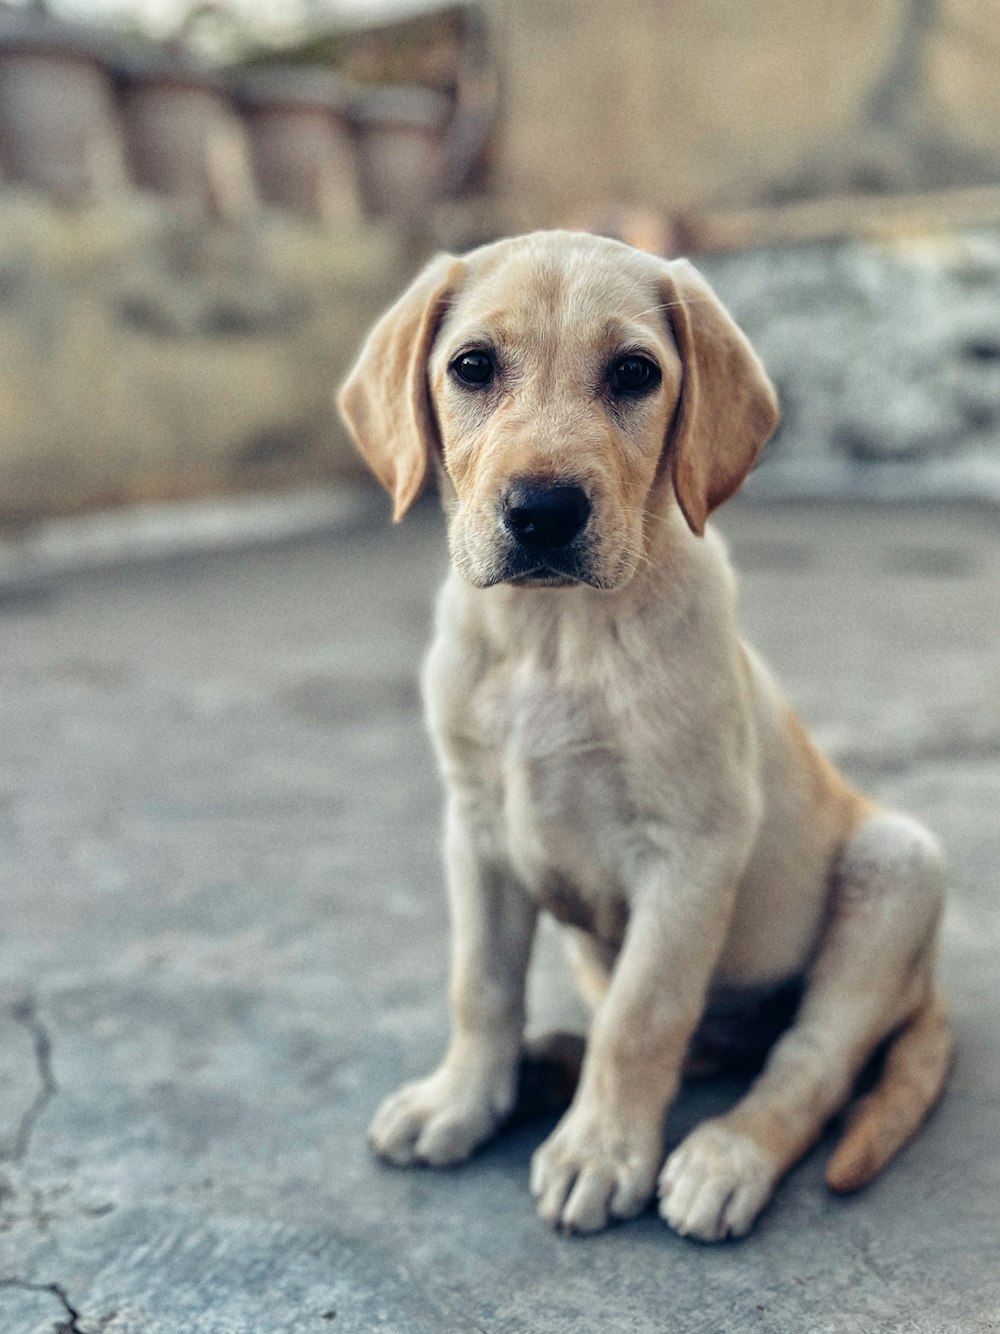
column 675, row 305
column 656, row 518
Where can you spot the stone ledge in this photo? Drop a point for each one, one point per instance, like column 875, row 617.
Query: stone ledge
column 140, row 534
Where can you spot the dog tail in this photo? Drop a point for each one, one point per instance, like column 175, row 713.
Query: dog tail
column 916, row 1067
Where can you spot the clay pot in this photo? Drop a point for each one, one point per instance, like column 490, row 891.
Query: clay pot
column 300, row 140
column 183, row 136
column 58, row 124
column 400, row 134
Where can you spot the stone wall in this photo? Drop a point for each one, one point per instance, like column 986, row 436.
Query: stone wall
column 148, row 352
column 699, row 105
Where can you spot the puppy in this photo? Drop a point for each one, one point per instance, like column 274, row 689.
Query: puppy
column 614, row 754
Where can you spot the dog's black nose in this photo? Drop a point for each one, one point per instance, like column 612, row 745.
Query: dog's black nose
column 544, row 516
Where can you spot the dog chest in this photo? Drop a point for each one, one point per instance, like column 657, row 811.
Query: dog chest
column 569, row 750
column 559, row 805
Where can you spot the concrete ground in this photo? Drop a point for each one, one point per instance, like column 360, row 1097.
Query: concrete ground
column 224, row 940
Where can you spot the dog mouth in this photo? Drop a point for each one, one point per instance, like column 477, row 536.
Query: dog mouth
column 576, row 565
column 543, row 577
column 522, row 569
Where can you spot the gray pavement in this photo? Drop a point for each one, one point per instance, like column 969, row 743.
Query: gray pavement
column 224, row 939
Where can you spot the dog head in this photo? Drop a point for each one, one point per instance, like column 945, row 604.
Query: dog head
column 568, row 388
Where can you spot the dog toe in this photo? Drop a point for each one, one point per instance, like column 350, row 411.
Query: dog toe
column 582, row 1182
column 426, row 1122
column 715, row 1184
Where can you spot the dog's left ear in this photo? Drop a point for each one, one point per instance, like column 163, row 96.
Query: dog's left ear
column 385, row 400
column 728, row 408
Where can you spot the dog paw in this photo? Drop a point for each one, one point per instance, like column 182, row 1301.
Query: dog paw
column 715, row 1183
column 587, row 1174
column 436, row 1121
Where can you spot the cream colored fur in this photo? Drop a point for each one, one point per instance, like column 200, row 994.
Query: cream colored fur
column 615, row 755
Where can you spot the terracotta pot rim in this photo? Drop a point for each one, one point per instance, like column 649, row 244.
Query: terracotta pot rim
column 31, row 34
column 292, row 87
column 165, row 68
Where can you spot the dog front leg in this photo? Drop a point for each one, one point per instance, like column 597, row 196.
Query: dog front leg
column 443, row 1118
column 601, row 1161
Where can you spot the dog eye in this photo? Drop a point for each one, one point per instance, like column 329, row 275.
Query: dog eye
column 634, row 375
column 474, row 368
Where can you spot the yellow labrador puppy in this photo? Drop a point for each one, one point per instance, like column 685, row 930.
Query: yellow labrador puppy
column 615, row 755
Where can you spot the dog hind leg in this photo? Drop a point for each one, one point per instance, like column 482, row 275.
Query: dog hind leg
column 872, row 976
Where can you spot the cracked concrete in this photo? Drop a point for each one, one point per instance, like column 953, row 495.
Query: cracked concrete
column 225, row 939
column 68, row 1325
column 24, row 1014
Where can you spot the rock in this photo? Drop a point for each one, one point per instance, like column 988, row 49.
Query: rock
column 881, row 353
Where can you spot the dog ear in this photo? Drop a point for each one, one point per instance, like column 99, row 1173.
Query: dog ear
column 728, row 408
column 385, row 400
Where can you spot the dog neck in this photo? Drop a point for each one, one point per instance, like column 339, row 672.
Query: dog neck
column 678, row 577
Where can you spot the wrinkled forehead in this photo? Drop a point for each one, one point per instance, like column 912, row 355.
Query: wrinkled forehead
column 565, row 292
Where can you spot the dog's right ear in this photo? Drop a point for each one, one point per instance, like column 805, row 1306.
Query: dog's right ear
column 385, row 400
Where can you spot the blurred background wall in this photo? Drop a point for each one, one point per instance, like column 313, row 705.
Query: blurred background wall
column 715, row 104
column 203, row 206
